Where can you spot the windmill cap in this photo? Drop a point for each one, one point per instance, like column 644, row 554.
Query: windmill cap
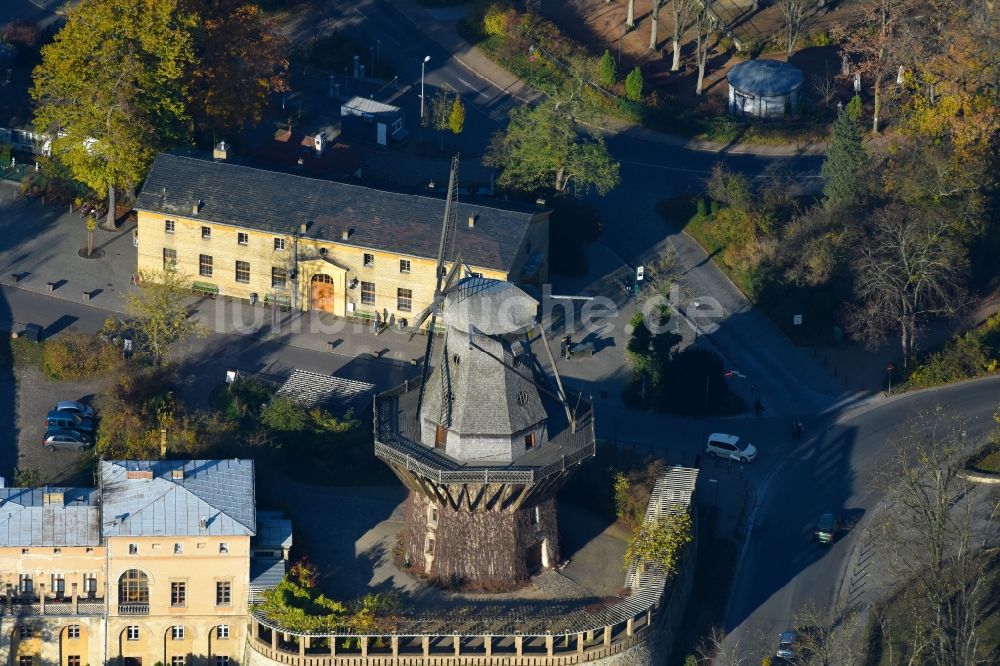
column 490, row 307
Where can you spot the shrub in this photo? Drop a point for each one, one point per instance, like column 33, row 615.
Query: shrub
column 607, row 70
column 634, row 84
column 78, row 356
column 27, row 477
column 283, row 413
column 497, row 19
column 701, row 209
column 820, row 38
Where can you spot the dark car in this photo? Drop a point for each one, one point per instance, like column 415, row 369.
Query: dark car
column 827, row 528
column 65, row 438
column 57, row 420
column 786, row 645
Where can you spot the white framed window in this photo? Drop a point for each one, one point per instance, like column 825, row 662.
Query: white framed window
column 205, row 265
column 133, row 549
column 25, row 631
column 369, row 259
column 279, row 244
column 222, row 631
column 222, row 660
column 90, row 585
column 404, row 265
column 223, row 547
column 73, row 631
column 279, row 277
column 206, row 233
column 169, row 259
column 58, row 584
column 178, row 549
column 132, row 632
column 243, row 271
column 177, row 632
column 25, row 584
column 177, row 660
column 243, row 238
column 404, row 299
column 169, row 226
column 368, row 293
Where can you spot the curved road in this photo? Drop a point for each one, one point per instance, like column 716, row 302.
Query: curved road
column 783, row 568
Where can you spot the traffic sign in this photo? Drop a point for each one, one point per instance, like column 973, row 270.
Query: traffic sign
column 796, row 320
column 639, row 272
column 890, row 367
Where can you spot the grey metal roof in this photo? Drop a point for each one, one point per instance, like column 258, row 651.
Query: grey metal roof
column 365, row 105
column 274, row 202
column 222, row 491
column 312, row 389
column 266, row 572
column 490, row 306
column 273, row 529
column 25, row 519
column 765, row 77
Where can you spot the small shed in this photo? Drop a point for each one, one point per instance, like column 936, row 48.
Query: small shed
column 374, row 121
column 763, row 88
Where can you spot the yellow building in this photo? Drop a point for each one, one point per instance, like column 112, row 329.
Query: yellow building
column 152, row 567
column 322, row 245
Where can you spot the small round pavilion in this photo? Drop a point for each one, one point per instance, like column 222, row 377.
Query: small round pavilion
column 763, row 88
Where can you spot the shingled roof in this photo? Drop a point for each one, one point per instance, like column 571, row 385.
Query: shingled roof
column 26, row 520
column 171, row 497
column 402, row 223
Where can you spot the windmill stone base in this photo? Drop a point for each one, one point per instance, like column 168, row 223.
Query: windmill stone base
column 485, row 550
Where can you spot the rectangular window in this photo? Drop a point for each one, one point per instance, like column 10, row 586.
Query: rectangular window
column 404, row 300
column 133, row 548
column 205, row 265
column 169, row 226
column 178, row 549
column 243, row 271
column 25, row 584
column 279, row 244
column 222, row 660
column 73, row 660
column 530, row 440
column 206, row 232
column 369, row 259
column 404, row 265
column 90, row 585
column 243, row 238
column 177, row 659
column 368, row 293
column 178, row 593
column 223, row 593
column 223, row 547
column 25, row 551
column 73, row 631
column 177, row 631
column 169, row 259
column 58, row 584
column 222, row 631
column 57, row 551
column 24, row 660
column 26, row 632
column 279, row 277
column 132, row 632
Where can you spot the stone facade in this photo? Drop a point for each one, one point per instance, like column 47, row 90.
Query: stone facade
column 448, row 544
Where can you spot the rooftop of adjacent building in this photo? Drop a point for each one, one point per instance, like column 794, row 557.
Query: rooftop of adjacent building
column 49, row 516
column 178, row 497
column 405, row 223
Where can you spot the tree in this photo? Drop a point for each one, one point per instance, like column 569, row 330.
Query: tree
column 845, row 168
column 283, row 413
column 654, row 22
column 704, row 26
column 874, row 46
column 158, row 313
column 683, row 14
column 607, row 70
column 909, row 266
column 793, row 14
column 241, row 62
column 456, row 117
column 937, row 534
column 91, row 225
column 440, row 113
column 660, row 541
column 630, row 15
column 634, row 84
column 542, row 148
column 822, row 643
column 111, row 89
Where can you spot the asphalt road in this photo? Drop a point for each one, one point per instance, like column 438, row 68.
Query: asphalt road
column 783, row 567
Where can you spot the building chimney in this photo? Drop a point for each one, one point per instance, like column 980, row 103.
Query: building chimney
column 472, row 221
column 53, row 498
column 146, row 474
column 221, row 151
column 319, row 141
column 196, row 207
column 203, row 523
column 177, row 474
column 540, row 201
column 303, row 228
column 345, row 234
column 163, row 443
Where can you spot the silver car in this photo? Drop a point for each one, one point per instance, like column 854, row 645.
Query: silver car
column 66, row 439
column 786, row 644
column 78, row 408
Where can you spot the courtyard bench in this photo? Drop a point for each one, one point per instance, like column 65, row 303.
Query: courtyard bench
column 205, row 289
column 283, row 301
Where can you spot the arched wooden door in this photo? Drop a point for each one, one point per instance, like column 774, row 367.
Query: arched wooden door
column 321, row 292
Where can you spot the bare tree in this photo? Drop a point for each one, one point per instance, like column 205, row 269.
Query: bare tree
column 822, row 642
column 630, row 17
column 654, row 16
column 909, row 267
column 825, row 87
column 683, row 14
column 721, row 650
column 793, row 14
column 705, row 21
column 938, row 535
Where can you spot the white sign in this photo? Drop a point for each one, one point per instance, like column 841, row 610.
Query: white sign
column 230, row 376
column 639, row 272
column 797, row 320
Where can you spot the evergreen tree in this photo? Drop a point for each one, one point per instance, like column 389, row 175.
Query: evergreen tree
column 846, row 165
column 607, row 70
column 634, row 84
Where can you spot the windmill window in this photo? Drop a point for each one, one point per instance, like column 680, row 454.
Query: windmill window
column 432, row 516
column 440, row 437
column 530, row 441
column 536, row 515
column 455, row 358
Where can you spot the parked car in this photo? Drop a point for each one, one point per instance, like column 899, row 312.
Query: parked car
column 733, row 447
column 786, row 644
column 65, row 438
column 57, row 419
column 827, row 528
column 78, row 408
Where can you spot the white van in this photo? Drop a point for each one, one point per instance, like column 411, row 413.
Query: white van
column 733, row 447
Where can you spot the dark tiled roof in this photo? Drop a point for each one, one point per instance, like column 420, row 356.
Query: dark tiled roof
column 407, row 224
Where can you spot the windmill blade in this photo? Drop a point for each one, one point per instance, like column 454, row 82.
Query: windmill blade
column 452, row 272
column 425, row 313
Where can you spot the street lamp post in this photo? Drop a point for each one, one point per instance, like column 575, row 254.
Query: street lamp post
column 423, row 66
